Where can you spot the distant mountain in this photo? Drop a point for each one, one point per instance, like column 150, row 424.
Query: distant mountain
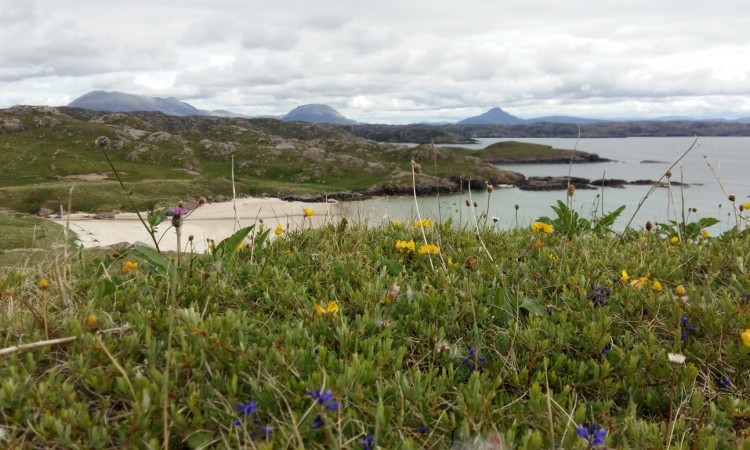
column 497, row 116
column 494, row 116
column 121, row 102
column 315, row 113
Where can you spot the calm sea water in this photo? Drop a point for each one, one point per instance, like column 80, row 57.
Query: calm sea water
column 729, row 156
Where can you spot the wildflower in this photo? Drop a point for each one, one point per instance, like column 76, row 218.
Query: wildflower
column 129, row 266
column 538, row 244
column 470, row 263
column 732, row 198
column 318, row 422
column 606, row 348
column 324, row 398
column 674, row 240
column 595, row 436
column 43, row 283
column 725, row 383
column 451, row 263
column 177, row 213
column 656, row 287
column 745, row 205
column 489, row 187
column 541, row 226
column 599, row 295
column 307, row 212
column 422, row 429
column 102, row 142
column 639, row 282
column 705, row 234
column 745, row 335
column 91, row 322
column 278, row 230
column 331, row 308
column 424, row 223
column 367, row 442
column 429, row 249
column 679, row 290
column 649, row 226
column 685, row 329
column 397, row 223
column 473, row 360
column 248, row 409
column 676, row 358
column 624, row 277
column 405, row 247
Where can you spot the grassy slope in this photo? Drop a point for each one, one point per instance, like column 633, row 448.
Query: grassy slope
column 270, row 157
column 396, row 354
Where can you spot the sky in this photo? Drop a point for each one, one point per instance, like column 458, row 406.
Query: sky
column 387, row 61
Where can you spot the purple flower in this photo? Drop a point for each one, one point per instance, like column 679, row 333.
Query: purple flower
column 318, row 422
column 324, row 398
column 367, row 442
column 725, row 383
column 595, row 436
column 237, row 422
column 606, row 348
column 422, row 429
column 266, row 429
column 599, row 295
column 177, row 211
column 473, row 360
column 645, row 311
column 248, row 409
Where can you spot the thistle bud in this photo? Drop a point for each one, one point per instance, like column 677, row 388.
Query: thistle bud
column 468, row 203
column 571, row 190
column 416, row 167
column 668, row 174
column 732, row 198
column 649, row 226
column 490, row 188
column 516, row 206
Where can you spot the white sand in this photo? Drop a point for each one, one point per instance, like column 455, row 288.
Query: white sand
column 211, row 221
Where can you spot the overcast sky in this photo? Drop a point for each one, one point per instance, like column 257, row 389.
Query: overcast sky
column 387, row 61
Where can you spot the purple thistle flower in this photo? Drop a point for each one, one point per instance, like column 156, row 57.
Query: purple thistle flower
column 178, row 211
column 318, row 422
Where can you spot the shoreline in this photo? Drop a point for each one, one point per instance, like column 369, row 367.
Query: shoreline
column 215, row 221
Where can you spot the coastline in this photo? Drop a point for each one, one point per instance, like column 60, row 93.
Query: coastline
column 210, row 221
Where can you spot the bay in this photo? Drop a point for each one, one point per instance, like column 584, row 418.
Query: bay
column 729, row 157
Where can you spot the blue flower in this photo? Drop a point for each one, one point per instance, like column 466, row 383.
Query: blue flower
column 599, row 295
column 324, row 398
column 595, row 436
column 422, row 429
column 248, row 409
column 606, row 348
column 645, row 311
column 237, row 422
column 725, row 383
column 318, row 422
column 473, row 360
column 684, row 328
column 367, row 442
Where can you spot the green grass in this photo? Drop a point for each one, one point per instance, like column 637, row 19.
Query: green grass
column 563, row 342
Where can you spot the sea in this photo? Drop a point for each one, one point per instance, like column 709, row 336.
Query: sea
column 711, row 167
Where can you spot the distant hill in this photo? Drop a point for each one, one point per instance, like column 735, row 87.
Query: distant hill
column 315, row 113
column 122, row 102
column 496, row 116
column 493, row 116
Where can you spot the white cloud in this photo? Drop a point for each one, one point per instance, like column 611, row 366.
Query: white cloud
column 387, row 61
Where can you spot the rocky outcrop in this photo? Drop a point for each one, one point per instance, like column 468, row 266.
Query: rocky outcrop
column 11, row 125
column 561, row 183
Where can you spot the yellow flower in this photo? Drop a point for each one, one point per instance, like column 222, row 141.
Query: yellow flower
column 679, row 290
column 639, row 282
column 278, row 230
column 538, row 244
column 43, row 283
column 128, row 266
column 705, row 234
column 308, row 212
column 541, row 226
column 745, row 335
column 624, row 277
column 656, row 286
column 746, row 206
column 674, row 240
column 92, row 322
column 451, row 263
column 424, row 223
column 405, row 247
column 331, row 308
column 397, row 223
column 429, row 249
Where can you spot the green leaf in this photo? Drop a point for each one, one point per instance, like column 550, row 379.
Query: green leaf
column 152, row 256
column 230, row 244
column 394, row 267
column 105, row 287
column 532, row 306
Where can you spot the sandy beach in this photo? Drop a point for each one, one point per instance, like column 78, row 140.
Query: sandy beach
column 215, row 221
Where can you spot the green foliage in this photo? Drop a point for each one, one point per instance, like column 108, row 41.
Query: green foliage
column 570, row 223
column 520, row 350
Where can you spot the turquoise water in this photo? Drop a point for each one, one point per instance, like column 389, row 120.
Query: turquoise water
column 729, row 156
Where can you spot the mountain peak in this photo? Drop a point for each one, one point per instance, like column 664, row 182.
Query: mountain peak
column 115, row 101
column 316, row 113
column 494, row 116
